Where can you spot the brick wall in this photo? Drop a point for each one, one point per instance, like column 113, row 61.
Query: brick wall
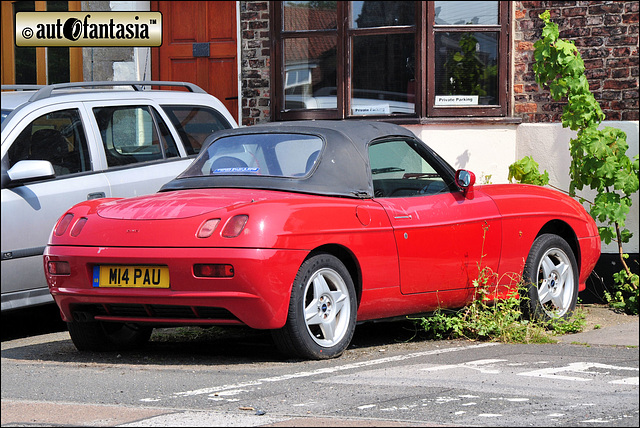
column 255, row 62
column 606, row 35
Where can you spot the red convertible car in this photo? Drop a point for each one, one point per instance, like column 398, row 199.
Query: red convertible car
column 306, row 228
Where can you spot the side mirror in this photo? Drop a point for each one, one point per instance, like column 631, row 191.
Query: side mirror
column 465, row 181
column 29, row 170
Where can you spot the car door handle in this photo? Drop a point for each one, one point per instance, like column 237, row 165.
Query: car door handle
column 403, row 217
column 95, row 195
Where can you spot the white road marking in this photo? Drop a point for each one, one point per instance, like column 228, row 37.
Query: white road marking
column 309, row 404
column 483, row 366
column 366, row 406
column 327, row 370
column 446, row 399
column 579, row 367
column 627, row 381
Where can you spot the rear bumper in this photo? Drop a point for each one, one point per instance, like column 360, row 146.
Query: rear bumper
column 257, row 295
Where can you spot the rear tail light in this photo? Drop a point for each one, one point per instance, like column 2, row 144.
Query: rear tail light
column 77, row 228
column 64, row 223
column 235, row 226
column 207, row 228
column 213, row 270
column 59, row 268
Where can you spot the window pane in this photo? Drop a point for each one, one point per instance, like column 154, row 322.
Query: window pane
column 195, row 124
column 466, row 12
column 58, row 67
column 383, row 74
column 310, row 73
column 25, row 57
column 366, row 14
column 128, row 134
column 276, row 155
column 399, row 171
column 309, row 15
column 57, row 6
column 57, row 137
column 466, row 65
column 4, row 114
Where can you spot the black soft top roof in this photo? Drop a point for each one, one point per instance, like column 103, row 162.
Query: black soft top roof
column 343, row 168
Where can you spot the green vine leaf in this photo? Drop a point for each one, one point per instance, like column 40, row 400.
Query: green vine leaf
column 526, row 171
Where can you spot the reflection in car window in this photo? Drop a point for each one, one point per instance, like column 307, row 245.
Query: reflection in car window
column 374, row 93
column 195, row 124
column 133, row 134
column 466, row 12
column 57, row 137
column 368, row 14
column 4, row 115
column 398, row 170
column 279, row 155
column 310, row 15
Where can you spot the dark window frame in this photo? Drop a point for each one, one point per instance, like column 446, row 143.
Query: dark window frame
column 425, row 32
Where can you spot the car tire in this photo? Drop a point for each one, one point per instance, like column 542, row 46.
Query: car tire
column 550, row 278
column 100, row 336
column 322, row 310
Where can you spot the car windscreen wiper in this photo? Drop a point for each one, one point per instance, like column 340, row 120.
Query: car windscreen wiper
column 387, row 169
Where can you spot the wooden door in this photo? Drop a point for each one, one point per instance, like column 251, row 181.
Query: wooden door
column 199, row 45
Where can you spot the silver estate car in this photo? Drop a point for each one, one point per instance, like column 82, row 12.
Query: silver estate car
column 69, row 142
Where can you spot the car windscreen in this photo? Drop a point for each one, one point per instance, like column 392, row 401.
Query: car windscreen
column 275, row 155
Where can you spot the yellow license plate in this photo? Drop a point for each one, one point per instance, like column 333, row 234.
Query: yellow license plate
column 131, row 276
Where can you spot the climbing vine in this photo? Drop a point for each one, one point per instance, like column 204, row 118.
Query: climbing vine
column 598, row 156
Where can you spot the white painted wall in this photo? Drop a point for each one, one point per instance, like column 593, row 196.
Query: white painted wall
column 487, row 150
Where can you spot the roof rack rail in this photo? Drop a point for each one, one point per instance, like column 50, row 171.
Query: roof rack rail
column 21, row 87
column 137, row 85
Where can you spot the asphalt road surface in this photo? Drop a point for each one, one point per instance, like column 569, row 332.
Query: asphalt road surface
column 390, row 376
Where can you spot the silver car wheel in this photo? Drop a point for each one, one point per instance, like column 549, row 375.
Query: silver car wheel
column 327, row 307
column 555, row 283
